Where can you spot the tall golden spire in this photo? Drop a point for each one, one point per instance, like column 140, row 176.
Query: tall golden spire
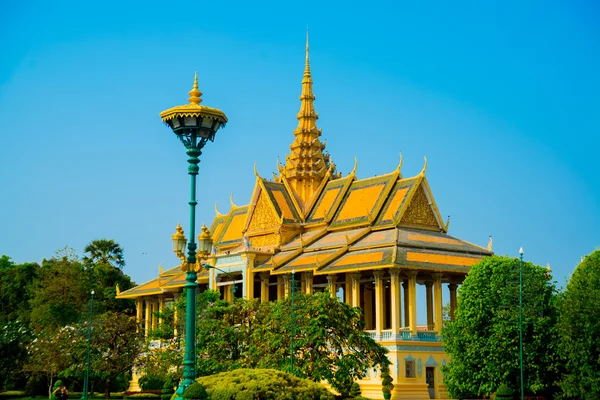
column 306, row 166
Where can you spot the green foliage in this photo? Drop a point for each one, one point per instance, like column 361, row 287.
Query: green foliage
column 483, row 340
column 151, row 382
column 195, row 392
column 355, row 390
column 104, row 251
column 168, row 389
column 386, row 381
column 579, row 330
column 60, row 295
column 329, row 341
column 115, row 344
column 504, row 392
column 250, row 384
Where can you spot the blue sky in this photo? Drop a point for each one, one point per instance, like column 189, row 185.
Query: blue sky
column 502, row 97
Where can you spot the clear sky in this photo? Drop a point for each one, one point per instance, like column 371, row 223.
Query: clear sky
column 503, row 98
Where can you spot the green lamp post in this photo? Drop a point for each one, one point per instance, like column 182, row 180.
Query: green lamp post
column 521, row 318
column 194, row 126
column 84, row 394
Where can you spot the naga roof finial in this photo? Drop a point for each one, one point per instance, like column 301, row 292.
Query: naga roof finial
column 424, row 167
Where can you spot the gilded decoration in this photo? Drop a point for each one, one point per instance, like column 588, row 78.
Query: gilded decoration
column 268, row 240
column 419, row 211
column 263, row 218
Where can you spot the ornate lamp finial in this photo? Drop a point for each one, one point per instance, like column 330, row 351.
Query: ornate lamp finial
column 195, row 93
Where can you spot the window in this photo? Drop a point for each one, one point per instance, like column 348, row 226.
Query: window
column 410, row 368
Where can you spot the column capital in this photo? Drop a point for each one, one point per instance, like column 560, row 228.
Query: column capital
column 264, row 275
column 331, row 278
column 436, row 276
column 429, row 284
column 356, row 275
column 394, row 271
column 379, row 274
column 452, row 286
column 411, row 274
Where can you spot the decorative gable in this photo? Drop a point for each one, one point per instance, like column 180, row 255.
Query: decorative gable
column 420, row 211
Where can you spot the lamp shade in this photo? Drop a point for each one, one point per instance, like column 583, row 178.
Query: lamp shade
column 179, row 240
column 204, row 242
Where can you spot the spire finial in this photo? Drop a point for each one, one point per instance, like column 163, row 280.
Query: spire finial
column 307, row 67
column 195, row 93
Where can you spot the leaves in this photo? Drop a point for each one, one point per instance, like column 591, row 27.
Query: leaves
column 483, row 340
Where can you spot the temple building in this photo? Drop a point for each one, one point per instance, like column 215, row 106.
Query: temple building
column 370, row 242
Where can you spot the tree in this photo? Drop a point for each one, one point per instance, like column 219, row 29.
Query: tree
column 483, row 340
column 15, row 289
column 59, row 295
column 104, row 251
column 329, row 342
column 116, row 345
column 579, row 330
column 51, row 352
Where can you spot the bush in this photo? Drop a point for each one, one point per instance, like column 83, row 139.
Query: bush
column 12, row 394
column 168, row 390
column 143, row 396
column 386, row 382
column 504, row 392
column 249, row 384
column 355, row 390
column 195, row 392
column 150, row 382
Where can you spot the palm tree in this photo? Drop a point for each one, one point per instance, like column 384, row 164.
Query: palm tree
column 104, row 251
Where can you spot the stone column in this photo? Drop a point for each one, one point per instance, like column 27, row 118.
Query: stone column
column 348, row 289
column 395, row 300
column 429, row 297
column 379, row 300
column 368, row 296
column 280, row 288
column 148, row 315
column 264, row 287
column 161, row 308
column 406, row 309
column 139, row 305
column 356, row 289
column 249, row 284
column 412, row 300
column 287, row 285
column 331, row 279
column 175, row 314
column 309, row 282
column 452, row 287
column 437, row 294
column 154, row 310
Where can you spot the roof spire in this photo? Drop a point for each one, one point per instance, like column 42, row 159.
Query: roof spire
column 195, row 93
column 306, row 166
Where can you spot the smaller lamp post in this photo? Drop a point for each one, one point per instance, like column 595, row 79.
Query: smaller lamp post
column 234, row 287
column 521, row 318
column 84, row 394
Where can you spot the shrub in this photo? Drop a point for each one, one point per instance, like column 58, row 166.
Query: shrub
column 267, row 384
column 504, row 392
column 195, row 392
column 386, row 382
column 355, row 390
column 151, row 382
column 168, row 390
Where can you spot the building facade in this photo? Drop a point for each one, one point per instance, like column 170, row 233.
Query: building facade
column 370, row 242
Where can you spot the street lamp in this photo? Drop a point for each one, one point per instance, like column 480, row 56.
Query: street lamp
column 84, row 395
column 521, row 318
column 194, row 125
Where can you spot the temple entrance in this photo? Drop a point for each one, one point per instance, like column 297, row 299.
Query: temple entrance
column 430, row 380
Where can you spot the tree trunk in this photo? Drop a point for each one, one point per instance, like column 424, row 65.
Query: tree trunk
column 107, row 388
